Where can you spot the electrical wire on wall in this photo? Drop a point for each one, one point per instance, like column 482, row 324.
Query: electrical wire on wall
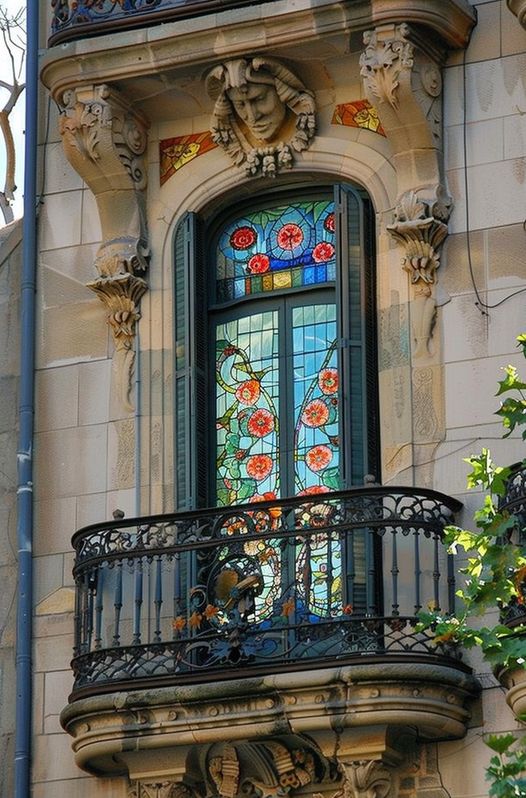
column 480, row 304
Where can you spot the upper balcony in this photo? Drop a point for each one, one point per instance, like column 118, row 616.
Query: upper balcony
column 86, row 18
column 300, row 614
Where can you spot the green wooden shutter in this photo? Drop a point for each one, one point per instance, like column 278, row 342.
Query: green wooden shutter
column 351, row 334
column 190, row 366
column 358, row 368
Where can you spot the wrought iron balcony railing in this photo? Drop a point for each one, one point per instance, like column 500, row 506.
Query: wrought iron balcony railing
column 91, row 17
column 514, row 503
column 297, row 584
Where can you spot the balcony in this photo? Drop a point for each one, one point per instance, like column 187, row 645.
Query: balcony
column 280, row 612
column 514, row 615
column 86, row 18
column 514, row 503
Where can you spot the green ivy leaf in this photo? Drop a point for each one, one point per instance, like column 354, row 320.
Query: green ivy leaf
column 511, row 382
column 500, row 742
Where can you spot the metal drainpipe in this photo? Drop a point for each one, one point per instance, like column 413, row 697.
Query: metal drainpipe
column 26, row 408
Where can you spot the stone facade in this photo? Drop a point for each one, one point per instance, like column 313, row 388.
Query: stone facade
column 449, row 251
column 10, row 261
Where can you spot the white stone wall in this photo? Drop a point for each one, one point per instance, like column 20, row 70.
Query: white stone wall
column 10, row 264
column 477, row 346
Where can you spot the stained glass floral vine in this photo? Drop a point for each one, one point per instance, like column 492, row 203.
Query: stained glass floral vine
column 316, row 409
column 247, row 420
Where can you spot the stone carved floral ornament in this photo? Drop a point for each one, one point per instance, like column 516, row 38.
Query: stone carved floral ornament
column 160, row 789
column 105, row 140
column 401, row 76
column 420, row 229
column 365, row 779
column 382, row 63
column 263, row 114
column 263, row 769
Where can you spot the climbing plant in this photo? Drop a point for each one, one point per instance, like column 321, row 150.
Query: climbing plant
column 494, row 577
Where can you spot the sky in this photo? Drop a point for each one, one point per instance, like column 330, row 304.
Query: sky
column 17, row 119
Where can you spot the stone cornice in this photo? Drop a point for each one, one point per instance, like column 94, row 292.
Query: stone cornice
column 271, row 26
column 451, row 21
column 428, row 698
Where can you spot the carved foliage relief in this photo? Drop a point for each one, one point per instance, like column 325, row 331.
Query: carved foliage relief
column 405, row 83
column 105, row 141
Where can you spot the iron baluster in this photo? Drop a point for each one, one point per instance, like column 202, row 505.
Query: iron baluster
column 158, row 601
column 436, row 571
column 97, row 643
column 117, row 605
column 138, row 603
column 394, row 573
column 451, row 583
column 418, row 570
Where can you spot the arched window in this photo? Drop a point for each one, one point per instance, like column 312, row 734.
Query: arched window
column 275, row 373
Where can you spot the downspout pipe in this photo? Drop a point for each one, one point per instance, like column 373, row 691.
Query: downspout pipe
column 25, row 419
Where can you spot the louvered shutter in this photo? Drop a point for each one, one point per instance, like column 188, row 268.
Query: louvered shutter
column 191, row 422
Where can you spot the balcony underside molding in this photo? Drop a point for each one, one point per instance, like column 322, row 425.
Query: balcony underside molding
column 140, row 733
column 260, row 28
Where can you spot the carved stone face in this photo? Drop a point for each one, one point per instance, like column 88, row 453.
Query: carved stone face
column 260, row 108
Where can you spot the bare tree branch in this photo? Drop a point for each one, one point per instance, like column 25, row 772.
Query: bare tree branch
column 13, row 38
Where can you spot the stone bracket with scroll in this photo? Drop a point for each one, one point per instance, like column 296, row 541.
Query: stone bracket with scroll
column 401, row 74
column 105, row 140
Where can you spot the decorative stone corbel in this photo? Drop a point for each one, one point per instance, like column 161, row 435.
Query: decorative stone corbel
column 264, row 769
column 104, row 140
column 402, row 78
column 518, row 7
column 367, row 779
column 159, row 789
column 224, row 772
column 420, row 231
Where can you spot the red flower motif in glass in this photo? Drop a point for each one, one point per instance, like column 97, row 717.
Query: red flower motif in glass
column 318, row 457
column 243, row 237
column 316, row 414
column 248, row 392
column 258, row 263
column 290, row 236
column 323, row 252
column 260, row 423
column 313, row 490
column 268, row 496
column 329, row 222
column 328, row 381
column 259, row 466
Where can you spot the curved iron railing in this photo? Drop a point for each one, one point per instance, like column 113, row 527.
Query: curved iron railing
column 514, row 503
column 263, row 587
column 93, row 17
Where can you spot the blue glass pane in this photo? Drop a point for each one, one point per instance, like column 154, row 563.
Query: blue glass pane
column 293, row 245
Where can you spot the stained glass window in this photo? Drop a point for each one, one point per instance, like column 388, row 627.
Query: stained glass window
column 287, row 246
column 316, row 411
column 247, row 420
column 272, row 329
